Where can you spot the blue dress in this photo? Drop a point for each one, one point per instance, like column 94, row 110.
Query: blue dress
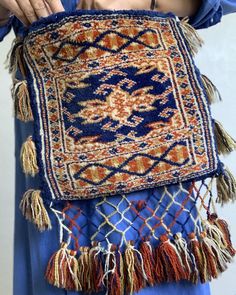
column 33, row 249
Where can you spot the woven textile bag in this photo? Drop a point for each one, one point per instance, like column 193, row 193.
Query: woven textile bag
column 118, row 106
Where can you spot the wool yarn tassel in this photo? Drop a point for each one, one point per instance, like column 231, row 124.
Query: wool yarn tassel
column 72, row 282
column 214, row 232
column 116, row 276
column 84, row 274
column 147, row 254
column 14, row 56
column 199, row 256
column 225, row 142
column 224, row 228
column 182, row 248
column 135, row 277
column 33, row 209
column 171, row 260
column 28, row 157
column 96, row 267
column 62, row 269
column 226, row 187
column 222, row 255
column 159, row 268
column 210, row 257
column 57, row 267
column 22, row 104
column 194, row 276
column 192, row 37
column 212, row 92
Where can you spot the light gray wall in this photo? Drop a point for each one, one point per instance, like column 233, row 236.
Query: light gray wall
column 7, row 175
column 217, row 59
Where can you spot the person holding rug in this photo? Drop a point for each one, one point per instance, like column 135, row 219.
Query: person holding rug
column 107, row 219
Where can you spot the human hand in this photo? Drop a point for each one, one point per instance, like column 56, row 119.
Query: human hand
column 28, row 11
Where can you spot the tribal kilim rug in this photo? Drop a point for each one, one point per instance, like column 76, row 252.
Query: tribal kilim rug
column 122, row 106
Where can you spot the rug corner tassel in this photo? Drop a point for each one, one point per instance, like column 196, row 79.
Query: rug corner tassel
column 226, row 187
column 193, row 38
column 225, row 142
column 33, row 209
column 28, row 157
column 212, row 92
column 22, row 106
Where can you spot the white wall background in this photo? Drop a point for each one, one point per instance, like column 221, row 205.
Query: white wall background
column 217, row 60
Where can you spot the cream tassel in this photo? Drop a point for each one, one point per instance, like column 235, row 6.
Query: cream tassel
column 225, row 143
column 136, row 276
column 22, row 105
column 29, row 158
column 226, row 187
column 192, row 37
column 14, row 55
column 72, row 280
column 212, row 92
column 33, row 209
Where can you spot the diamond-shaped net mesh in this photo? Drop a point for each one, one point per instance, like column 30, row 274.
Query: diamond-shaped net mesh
column 168, row 210
column 125, row 242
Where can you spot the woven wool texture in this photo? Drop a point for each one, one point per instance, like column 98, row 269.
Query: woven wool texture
column 119, row 105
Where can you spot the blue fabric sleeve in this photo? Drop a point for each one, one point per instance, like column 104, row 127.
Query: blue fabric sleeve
column 4, row 30
column 228, row 6
column 211, row 12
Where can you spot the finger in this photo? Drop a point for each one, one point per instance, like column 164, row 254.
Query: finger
column 29, row 12
column 48, row 8
column 17, row 11
column 39, row 7
column 55, row 5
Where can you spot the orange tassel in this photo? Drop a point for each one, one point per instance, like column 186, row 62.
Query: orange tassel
column 182, row 248
column 116, row 278
column 159, row 269
column 200, row 258
column 210, row 257
column 147, row 254
column 170, row 259
column 96, row 267
column 71, row 272
column 57, row 267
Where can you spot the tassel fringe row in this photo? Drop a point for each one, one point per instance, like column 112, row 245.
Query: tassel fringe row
column 198, row 258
